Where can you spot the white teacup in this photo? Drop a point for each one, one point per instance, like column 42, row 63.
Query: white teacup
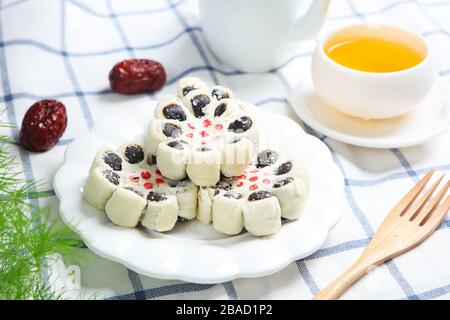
column 373, row 95
column 259, row 35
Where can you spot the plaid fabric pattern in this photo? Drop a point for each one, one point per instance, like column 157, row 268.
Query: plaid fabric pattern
column 64, row 49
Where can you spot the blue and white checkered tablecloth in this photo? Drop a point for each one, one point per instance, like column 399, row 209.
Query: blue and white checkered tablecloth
column 64, row 49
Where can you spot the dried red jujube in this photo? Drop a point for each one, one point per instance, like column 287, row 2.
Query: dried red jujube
column 135, row 76
column 43, row 124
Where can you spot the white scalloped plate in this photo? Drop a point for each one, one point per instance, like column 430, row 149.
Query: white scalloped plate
column 192, row 251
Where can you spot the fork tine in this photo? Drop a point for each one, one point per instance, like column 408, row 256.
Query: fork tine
column 412, row 194
column 437, row 217
column 428, row 210
column 414, row 210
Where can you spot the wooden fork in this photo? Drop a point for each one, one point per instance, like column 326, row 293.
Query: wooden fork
column 409, row 223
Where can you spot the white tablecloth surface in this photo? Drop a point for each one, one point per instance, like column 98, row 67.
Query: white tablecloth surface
column 65, row 49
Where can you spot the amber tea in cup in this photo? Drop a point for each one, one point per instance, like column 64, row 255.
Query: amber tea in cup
column 373, row 54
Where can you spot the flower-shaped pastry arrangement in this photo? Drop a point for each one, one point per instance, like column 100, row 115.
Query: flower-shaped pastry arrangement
column 131, row 191
column 271, row 189
column 203, row 138
column 202, row 133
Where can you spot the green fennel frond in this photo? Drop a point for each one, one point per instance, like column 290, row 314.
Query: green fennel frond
column 27, row 239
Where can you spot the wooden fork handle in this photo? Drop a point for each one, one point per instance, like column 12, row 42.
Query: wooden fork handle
column 341, row 284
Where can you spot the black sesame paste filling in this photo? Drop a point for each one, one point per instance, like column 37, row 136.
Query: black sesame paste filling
column 135, row 191
column 233, row 194
column 111, row 176
column 134, row 154
column 178, row 184
column 219, row 94
column 266, row 158
column 174, row 112
column 203, row 149
column 240, row 125
column 283, row 168
column 235, row 140
column 220, row 109
column 188, row 89
column 179, row 145
column 282, row 182
column 172, row 131
column 155, row 197
column 221, row 186
column 259, row 195
column 152, row 160
column 198, row 103
column 113, row 160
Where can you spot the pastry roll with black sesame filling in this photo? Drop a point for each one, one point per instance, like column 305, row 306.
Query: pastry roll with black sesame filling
column 172, row 108
column 262, row 213
column 161, row 213
column 266, row 157
column 291, row 194
column 203, row 167
column 125, row 207
column 221, row 93
column 199, row 102
column 173, row 157
column 245, row 126
column 107, row 158
column 236, row 156
column 100, row 185
column 226, row 109
column 133, row 153
column 188, row 84
column 292, row 168
column 227, row 212
column 186, row 194
column 205, row 200
column 162, row 131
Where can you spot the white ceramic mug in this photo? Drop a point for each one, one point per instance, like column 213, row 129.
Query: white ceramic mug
column 373, row 95
column 259, row 35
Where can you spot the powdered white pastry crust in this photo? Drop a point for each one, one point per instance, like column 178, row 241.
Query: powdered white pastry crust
column 271, row 188
column 199, row 161
column 124, row 184
column 202, row 118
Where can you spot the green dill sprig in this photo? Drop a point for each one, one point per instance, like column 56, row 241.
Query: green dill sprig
column 28, row 240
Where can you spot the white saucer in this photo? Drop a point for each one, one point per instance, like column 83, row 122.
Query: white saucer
column 431, row 117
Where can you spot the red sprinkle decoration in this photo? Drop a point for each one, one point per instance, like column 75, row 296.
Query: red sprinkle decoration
column 240, row 184
column 206, row 123
column 189, row 135
column 254, row 178
column 191, row 126
column 204, row 134
column 242, row 176
column 218, row 126
column 159, row 180
column 158, row 172
column 203, row 142
column 146, row 175
column 266, row 181
column 148, row 185
column 253, row 187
